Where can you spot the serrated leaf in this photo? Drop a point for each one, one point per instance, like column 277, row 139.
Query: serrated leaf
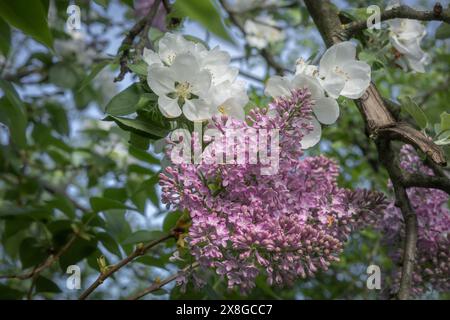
column 445, row 121
column 413, row 109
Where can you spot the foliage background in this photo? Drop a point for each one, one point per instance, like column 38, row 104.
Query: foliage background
column 64, row 171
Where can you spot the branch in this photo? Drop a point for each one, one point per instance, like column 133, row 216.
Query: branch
column 159, row 284
column 50, row 260
column 404, row 12
column 390, row 161
column 129, row 39
column 382, row 126
column 424, row 181
column 139, row 251
column 279, row 69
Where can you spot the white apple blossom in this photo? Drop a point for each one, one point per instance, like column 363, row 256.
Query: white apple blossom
column 262, row 31
column 228, row 99
column 326, row 109
column 341, row 74
column 181, row 88
column 405, row 35
column 199, row 100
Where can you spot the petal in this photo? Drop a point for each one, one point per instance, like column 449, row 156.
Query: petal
column 170, row 46
column 304, row 81
column 161, row 80
column 359, row 76
column 336, row 55
column 150, row 57
column 197, row 110
column 185, row 66
column 312, row 138
column 201, row 82
column 169, row 107
column 333, row 84
column 326, row 110
column 278, row 86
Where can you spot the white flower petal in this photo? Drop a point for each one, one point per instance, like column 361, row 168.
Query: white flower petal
column 304, row 81
column 151, row 57
column 196, row 110
column 337, row 54
column 201, row 82
column 161, row 80
column 326, row 110
column 312, row 138
column 333, row 84
column 359, row 76
column 185, row 66
column 169, row 107
column 278, row 86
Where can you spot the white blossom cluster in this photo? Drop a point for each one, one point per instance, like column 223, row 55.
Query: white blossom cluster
column 189, row 79
column 338, row 74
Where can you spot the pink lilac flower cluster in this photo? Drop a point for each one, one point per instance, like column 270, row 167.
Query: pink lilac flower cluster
column 432, row 267
column 285, row 226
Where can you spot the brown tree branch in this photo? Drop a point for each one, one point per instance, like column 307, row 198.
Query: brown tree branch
column 404, row 12
column 127, row 43
column 270, row 60
column 159, row 284
column 47, row 263
column 382, row 126
column 138, row 251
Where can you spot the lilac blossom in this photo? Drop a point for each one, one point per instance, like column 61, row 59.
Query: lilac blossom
column 285, row 226
column 432, row 265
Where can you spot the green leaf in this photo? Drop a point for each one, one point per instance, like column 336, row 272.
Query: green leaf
column 109, row 242
column 204, row 12
column 7, row 293
column 413, row 109
column 46, row 285
column 12, row 111
column 443, row 31
column 96, row 69
column 28, row 16
column 63, row 75
column 143, row 236
column 15, row 119
column 101, row 204
column 139, row 126
column 171, row 220
column 80, row 249
column 445, row 121
column 5, row 37
column 140, row 68
column 125, row 102
column 31, row 254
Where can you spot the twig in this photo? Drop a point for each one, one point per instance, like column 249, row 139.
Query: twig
column 404, row 12
column 129, row 39
column 279, row 69
column 159, row 284
column 139, row 251
column 48, row 262
column 382, row 126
